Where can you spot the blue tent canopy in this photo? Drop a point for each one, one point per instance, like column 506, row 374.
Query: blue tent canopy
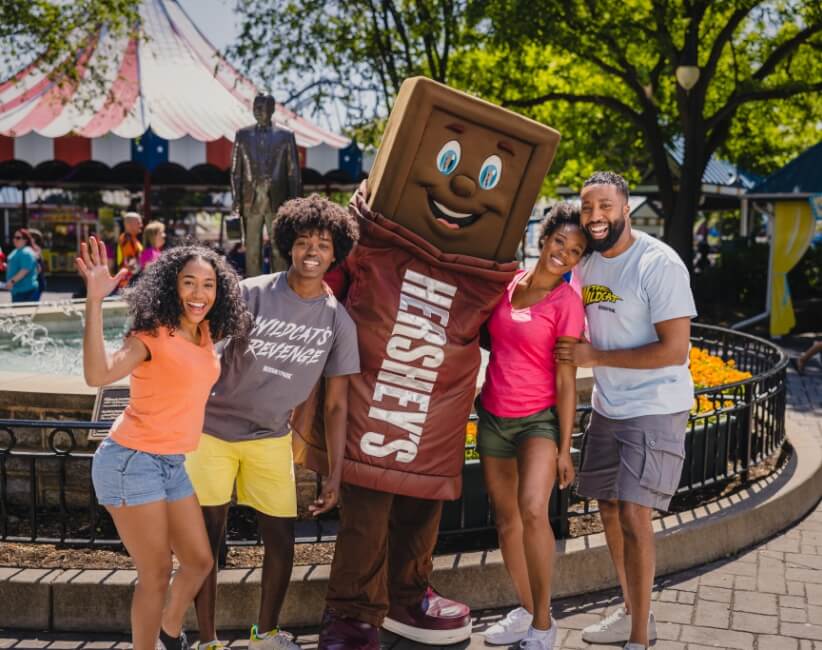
column 802, row 175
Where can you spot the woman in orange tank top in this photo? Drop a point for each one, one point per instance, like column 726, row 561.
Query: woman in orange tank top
column 179, row 306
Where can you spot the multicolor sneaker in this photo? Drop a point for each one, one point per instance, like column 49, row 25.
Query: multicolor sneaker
column 276, row 639
column 616, row 628
column 211, row 645
column 510, row 629
column 540, row 639
column 435, row 620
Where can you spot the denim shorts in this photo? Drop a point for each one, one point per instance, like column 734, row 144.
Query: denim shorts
column 127, row 477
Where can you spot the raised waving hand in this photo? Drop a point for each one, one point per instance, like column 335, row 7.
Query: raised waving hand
column 93, row 267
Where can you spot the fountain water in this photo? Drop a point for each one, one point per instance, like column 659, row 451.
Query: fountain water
column 47, row 337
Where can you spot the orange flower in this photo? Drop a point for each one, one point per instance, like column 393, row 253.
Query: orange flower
column 709, row 370
column 471, row 434
column 471, row 452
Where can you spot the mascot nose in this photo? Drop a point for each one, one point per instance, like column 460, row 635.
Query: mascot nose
column 463, row 186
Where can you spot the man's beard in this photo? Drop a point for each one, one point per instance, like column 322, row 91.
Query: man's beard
column 615, row 229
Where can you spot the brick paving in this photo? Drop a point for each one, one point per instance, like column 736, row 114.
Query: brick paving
column 768, row 597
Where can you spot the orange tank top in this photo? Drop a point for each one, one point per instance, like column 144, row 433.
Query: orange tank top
column 168, row 394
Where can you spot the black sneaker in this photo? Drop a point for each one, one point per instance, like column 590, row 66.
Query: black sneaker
column 169, row 642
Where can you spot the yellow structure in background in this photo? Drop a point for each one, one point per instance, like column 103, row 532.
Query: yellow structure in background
column 794, row 226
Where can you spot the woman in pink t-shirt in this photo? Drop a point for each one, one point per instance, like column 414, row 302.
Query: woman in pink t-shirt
column 526, row 416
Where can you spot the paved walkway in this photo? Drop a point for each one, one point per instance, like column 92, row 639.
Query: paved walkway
column 766, row 598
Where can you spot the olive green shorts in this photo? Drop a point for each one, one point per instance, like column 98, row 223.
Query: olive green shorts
column 500, row 437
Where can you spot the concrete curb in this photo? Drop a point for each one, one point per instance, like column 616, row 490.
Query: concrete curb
column 98, row 600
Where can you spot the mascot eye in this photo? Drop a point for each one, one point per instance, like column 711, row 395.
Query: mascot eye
column 449, row 157
column 490, row 172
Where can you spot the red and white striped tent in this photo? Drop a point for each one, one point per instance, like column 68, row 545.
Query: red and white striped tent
column 170, row 100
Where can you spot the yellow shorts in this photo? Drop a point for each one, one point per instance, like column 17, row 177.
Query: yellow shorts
column 263, row 470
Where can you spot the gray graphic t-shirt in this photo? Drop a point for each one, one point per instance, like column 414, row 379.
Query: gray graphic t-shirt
column 293, row 343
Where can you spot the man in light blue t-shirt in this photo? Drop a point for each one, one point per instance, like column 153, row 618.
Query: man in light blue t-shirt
column 639, row 307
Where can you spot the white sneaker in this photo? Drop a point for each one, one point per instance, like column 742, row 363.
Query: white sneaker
column 510, row 629
column 616, row 628
column 635, row 646
column 275, row 640
column 540, row 639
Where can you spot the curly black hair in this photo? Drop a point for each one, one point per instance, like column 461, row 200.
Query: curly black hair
column 311, row 214
column 153, row 301
column 563, row 213
column 609, row 178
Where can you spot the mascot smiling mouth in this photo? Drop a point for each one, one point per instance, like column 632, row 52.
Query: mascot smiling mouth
column 448, row 218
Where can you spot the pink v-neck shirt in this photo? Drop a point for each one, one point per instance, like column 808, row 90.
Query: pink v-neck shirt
column 521, row 375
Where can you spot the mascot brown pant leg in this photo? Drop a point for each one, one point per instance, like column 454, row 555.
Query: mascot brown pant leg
column 441, row 216
column 379, row 566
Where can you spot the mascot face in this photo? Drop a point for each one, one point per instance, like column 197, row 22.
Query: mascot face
column 458, row 171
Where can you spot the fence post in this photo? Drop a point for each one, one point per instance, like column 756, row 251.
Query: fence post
column 746, row 433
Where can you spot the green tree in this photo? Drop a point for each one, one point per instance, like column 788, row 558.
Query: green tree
column 355, row 52
column 52, row 35
column 592, row 136
column 601, row 72
column 623, row 58
column 766, row 135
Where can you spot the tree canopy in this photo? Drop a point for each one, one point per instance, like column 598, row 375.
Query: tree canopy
column 623, row 58
column 602, row 73
column 354, row 52
column 50, row 34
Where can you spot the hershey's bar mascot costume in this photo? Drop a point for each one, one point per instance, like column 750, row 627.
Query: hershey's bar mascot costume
column 441, row 216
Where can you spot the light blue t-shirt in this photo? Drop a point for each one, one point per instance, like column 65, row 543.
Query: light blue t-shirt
column 23, row 258
column 624, row 297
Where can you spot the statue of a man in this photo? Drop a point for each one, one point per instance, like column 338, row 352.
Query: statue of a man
column 265, row 172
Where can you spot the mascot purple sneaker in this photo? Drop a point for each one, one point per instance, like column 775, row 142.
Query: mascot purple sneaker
column 441, row 216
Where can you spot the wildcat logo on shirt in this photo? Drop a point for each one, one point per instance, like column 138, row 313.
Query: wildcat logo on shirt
column 594, row 293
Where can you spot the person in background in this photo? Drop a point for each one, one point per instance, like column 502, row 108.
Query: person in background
column 236, row 257
column 807, row 355
column 22, row 268
column 526, row 417
column 154, row 239
column 129, row 247
column 185, row 301
column 2, row 261
column 37, row 238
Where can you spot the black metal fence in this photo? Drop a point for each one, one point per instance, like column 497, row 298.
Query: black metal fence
column 47, row 497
